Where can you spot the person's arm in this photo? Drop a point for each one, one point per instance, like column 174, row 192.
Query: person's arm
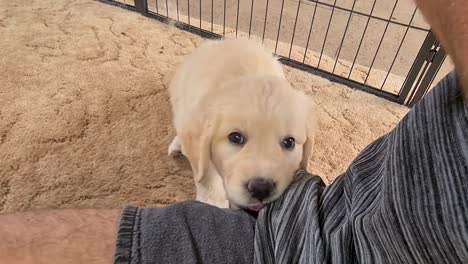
column 61, row 236
column 449, row 21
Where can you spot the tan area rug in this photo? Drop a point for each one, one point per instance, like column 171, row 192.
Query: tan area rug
column 84, row 114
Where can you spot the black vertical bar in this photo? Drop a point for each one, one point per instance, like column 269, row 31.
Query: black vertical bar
column 294, row 29
column 398, row 50
column 344, row 35
column 237, row 16
column 224, row 19
column 326, row 34
column 437, row 62
column 420, row 79
column 251, row 15
column 279, row 26
column 437, row 72
column 362, row 38
column 141, row 6
column 167, row 9
column 265, row 21
column 200, row 3
column 416, row 67
column 380, row 42
column 310, row 31
column 188, row 12
column 212, row 14
column 157, row 7
column 177, row 7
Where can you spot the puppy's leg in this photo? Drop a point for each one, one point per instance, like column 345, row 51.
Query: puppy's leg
column 175, row 148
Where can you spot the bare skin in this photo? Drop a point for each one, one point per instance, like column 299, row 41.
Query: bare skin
column 61, row 236
column 88, row 236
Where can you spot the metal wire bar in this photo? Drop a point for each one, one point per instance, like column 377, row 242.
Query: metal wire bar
column 279, row 26
column 380, row 42
column 177, row 7
column 167, row 9
column 224, row 19
column 157, row 8
column 418, row 82
column 342, row 39
column 437, row 57
column 188, row 12
column 362, row 39
column 294, row 29
column 398, row 50
column 336, row 78
column 251, row 15
column 326, row 34
column 374, row 17
column 237, row 16
column 310, row 31
column 265, row 23
column 432, row 81
column 200, row 3
column 418, row 63
column 212, row 14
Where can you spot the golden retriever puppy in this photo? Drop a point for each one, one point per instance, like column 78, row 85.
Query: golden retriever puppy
column 244, row 130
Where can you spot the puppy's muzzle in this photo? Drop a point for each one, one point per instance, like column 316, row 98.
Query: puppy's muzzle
column 260, row 187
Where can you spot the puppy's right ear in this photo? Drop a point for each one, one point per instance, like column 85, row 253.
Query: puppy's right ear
column 196, row 146
column 308, row 147
column 311, row 127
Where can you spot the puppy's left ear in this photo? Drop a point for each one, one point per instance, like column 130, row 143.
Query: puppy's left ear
column 308, row 146
column 196, row 145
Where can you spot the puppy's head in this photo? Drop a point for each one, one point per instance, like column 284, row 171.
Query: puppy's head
column 256, row 133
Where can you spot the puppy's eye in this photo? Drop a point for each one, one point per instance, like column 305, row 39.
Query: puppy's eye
column 288, row 143
column 236, row 138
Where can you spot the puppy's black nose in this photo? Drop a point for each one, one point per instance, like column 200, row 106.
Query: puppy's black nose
column 260, row 188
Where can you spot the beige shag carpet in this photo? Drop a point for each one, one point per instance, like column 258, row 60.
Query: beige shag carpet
column 84, row 114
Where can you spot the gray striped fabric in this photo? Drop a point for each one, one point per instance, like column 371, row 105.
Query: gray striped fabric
column 404, row 199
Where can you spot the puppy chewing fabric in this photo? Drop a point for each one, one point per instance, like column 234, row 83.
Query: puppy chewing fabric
column 404, row 199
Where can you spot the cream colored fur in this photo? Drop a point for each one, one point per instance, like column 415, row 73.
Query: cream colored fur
column 235, row 85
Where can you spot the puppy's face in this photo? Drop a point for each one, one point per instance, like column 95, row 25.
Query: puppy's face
column 259, row 139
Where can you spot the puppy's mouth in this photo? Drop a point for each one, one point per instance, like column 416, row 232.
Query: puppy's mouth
column 255, row 207
column 252, row 209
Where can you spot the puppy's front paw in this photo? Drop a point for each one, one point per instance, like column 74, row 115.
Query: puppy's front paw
column 175, row 148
